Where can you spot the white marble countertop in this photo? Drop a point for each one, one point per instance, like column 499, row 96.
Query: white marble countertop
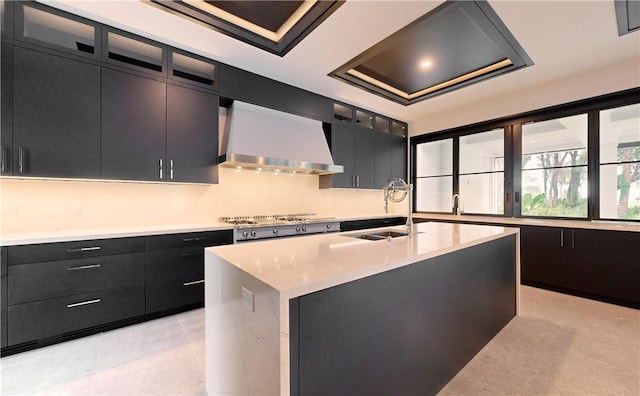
column 298, row 266
column 28, row 238
column 104, row 233
column 593, row 225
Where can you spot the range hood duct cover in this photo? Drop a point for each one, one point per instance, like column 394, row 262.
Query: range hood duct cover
column 257, row 137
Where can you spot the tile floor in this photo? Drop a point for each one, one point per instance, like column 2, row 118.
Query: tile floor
column 560, row 345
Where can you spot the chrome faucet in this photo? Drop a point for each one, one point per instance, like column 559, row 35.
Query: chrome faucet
column 455, row 203
column 399, row 185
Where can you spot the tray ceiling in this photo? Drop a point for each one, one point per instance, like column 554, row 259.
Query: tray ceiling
column 452, row 46
column 274, row 26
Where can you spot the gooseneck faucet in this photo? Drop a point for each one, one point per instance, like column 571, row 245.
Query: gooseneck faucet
column 455, row 203
column 396, row 186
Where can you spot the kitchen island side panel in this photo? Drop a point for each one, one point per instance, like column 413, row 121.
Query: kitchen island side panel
column 404, row 331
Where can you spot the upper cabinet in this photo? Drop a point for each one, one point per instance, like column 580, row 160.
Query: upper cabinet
column 85, row 100
column 133, row 127
column 6, row 101
column 193, row 69
column 44, row 26
column 372, row 149
column 156, row 131
column 56, row 116
column 192, row 135
column 135, row 52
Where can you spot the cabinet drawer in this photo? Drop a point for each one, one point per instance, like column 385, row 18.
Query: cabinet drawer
column 173, row 263
column 208, row 238
column 71, row 250
column 53, row 279
column 174, row 293
column 43, row 319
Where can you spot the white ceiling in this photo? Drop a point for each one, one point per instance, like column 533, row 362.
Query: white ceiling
column 563, row 38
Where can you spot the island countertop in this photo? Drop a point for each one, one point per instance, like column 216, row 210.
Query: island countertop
column 298, row 266
column 249, row 288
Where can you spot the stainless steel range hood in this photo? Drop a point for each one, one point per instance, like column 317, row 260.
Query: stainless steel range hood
column 255, row 137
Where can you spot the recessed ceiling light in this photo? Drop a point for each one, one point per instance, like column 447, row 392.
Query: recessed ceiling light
column 425, row 64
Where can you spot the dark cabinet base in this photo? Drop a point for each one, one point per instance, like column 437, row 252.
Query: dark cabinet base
column 407, row 331
column 175, row 293
column 42, row 319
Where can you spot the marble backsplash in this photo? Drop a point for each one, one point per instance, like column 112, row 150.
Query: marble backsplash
column 31, row 205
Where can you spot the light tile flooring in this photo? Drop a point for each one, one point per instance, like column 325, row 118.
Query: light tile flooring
column 560, row 345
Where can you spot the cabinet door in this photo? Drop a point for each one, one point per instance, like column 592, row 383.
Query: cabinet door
column 133, row 127
column 399, row 162
column 56, row 109
column 3, row 296
column 364, row 159
column 605, row 263
column 192, row 135
column 543, row 255
column 383, row 158
column 343, row 153
column 6, row 117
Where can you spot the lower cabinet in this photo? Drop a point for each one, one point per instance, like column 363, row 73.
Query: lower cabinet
column 597, row 263
column 55, row 291
column 3, row 297
column 42, row 319
column 174, row 268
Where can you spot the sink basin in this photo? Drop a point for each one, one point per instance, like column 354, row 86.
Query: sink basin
column 377, row 236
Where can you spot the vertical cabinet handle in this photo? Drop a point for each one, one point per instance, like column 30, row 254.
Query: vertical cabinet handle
column 573, row 239
column 20, row 159
column 161, row 169
column 171, row 169
column 3, row 159
column 561, row 238
column 358, row 181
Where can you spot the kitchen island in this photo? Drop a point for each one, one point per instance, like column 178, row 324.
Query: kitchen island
column 339, row 314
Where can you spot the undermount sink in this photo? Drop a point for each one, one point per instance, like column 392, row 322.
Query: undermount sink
column 378, row 236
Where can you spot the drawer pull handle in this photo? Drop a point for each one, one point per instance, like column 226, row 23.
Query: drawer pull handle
column 192, row 239
column 83, row 267
column 97, row 300
column 193, row 283
column 191, row 254
column 83, row 249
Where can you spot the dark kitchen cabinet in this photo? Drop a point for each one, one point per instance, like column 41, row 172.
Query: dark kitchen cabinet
column 6, row 101
column 174, row 268
column 133, row 127
column 390, row 159
column 56, row 116
column 596, row 263
column 342, row 143
column 192, row 135
column 156, row 131
column 544, row 255
column 56, row 289
column 252, row 88
column 605, row 263
column 354, row 149
column 365, row 160
column 46, row 318
column 3, row 297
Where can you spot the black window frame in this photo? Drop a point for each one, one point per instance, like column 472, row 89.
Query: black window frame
column 513, row 150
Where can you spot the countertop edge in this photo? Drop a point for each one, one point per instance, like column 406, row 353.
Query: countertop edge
column 513, row 221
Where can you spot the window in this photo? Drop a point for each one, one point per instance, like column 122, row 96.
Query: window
column 554, row 168
column 620, row 163
column 481, row 182
column 434, row 176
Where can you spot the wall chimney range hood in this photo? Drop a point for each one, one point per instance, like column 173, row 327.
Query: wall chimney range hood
column 259, row 138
